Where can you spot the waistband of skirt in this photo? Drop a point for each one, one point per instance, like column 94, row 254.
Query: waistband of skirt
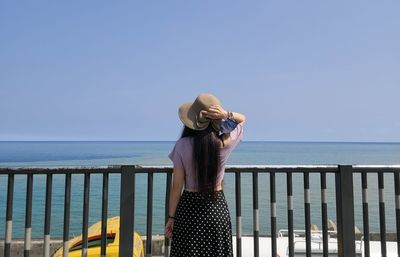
column 220, row 191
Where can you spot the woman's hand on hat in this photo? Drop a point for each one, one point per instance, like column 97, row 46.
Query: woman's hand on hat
column 215, row 112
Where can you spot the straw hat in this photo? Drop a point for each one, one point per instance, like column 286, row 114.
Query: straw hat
column 191, row 116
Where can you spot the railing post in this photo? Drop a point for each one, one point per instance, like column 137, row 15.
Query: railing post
column 256, row 219
column 149, row 214
column 307, row 212
column 238, row 196
column 272, row 186
column 324, row 214
column 28, row 215
column 382, row 222
column 345, row 211
column 9, row 212
column 364, row 185
column 67, row 207
column 397, row 200
column 289, row 192
column 47, row 215
column 127, row 210
column 85, row 221
column 104, row 211
column 167, row 195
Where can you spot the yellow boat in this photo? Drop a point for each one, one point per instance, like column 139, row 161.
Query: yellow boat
column 94, row 241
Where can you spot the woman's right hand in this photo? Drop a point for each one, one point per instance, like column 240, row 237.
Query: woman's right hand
column 215, row 112
column 168, row 228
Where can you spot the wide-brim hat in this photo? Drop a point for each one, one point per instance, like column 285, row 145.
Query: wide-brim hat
column 191, row 116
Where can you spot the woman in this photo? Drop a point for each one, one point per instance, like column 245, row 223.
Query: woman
column 199, row 221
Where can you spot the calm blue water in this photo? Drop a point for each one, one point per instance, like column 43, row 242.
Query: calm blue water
column 155, row 153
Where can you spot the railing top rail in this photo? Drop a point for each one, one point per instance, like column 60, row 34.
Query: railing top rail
column 167, row 168
column 60, row 169
column 272, row 166
column 376, row 168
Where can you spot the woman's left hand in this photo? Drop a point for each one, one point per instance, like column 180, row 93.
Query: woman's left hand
column 215, row 112
column 168, row 228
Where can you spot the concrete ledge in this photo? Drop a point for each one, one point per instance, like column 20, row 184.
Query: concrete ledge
column 17, row 246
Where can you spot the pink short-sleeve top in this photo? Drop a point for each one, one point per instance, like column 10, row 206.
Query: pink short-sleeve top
column 181, row 156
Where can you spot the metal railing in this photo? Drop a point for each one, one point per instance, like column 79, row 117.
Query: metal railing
column 344, row 187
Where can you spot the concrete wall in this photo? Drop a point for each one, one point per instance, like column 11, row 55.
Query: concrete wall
column 17, row 247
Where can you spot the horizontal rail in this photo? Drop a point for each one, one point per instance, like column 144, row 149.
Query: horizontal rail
column 228, row 168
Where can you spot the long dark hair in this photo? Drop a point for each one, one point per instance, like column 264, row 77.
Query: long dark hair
column 206, row 149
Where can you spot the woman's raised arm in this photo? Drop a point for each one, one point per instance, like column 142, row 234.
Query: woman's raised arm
column 216, row 112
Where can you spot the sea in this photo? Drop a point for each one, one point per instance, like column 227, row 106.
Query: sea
column 104, row 153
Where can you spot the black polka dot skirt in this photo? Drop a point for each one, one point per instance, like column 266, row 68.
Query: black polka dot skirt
column 202, row 226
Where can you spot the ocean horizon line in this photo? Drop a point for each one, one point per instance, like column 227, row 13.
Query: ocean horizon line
column 168, row 141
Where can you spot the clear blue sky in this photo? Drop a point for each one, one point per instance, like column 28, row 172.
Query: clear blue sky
column 115, row 70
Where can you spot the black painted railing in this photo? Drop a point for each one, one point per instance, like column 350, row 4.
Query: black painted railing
column 344, row 193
